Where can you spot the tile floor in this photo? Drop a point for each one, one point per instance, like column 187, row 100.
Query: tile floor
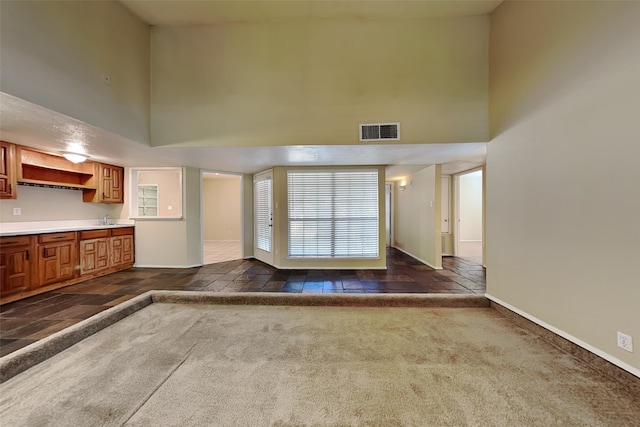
column 26, row 321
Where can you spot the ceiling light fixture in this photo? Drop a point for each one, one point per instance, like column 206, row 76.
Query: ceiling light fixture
column 75, row 157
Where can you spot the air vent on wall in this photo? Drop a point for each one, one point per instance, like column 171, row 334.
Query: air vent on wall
column 380, row 132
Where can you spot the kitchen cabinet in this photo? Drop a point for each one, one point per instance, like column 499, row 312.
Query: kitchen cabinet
column 8, row 177
column 42, row 169
column 94, row 251
column 36, row 263
column 57, row 257
column 122, row 246
column 106, row 249
column 109, row 183
column 15, row 264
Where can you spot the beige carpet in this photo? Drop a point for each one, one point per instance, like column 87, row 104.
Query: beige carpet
column 235, row 365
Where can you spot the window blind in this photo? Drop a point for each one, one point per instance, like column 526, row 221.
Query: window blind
column 333, row 213
column 263, row 214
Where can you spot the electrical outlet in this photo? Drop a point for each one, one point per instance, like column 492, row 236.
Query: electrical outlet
column 17, row 211
column 625, row 342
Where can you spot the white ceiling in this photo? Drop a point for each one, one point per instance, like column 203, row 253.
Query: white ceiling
column 28, row 124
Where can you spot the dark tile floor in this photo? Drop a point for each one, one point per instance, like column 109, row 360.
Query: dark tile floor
column 26, row 321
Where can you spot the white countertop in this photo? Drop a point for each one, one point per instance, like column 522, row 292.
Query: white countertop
column 37, row 227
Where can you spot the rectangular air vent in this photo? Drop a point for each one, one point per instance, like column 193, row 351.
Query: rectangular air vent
column 380, row 132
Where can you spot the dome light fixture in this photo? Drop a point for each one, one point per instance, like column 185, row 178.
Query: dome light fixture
column 74, row 157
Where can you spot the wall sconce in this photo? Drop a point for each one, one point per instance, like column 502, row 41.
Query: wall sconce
column 75, row 157
column 402, row 187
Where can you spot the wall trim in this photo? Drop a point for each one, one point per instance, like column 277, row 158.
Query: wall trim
column 604, row 362
column 315, row 267
column 421, row 260
column 166, row 266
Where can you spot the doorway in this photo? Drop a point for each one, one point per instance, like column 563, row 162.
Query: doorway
column 469, row 229
column 221, row 217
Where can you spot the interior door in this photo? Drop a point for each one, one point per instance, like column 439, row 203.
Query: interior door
column 263, row 216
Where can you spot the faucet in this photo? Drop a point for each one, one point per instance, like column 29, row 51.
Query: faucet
column 106, row 220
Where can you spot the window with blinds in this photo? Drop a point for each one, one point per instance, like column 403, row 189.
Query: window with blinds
column 333, row 214
column 263, row 214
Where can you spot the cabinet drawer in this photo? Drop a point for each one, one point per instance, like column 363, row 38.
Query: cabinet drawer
column 94, row 234
column 125, row 231
column 56, row 237
column 10, row 241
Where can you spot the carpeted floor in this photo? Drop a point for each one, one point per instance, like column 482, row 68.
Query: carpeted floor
column 238, row 365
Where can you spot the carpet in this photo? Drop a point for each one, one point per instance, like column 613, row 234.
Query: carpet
column 270, row 365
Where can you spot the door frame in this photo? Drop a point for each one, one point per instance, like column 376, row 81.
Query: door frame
column 456, row 238
column 242, row 212
column 260, row 254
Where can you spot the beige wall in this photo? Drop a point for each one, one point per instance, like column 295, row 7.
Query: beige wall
column 247, row 217
column 563, row 204
column 313, row 82
column 280, row 228
column 169, row 191
column 418, row 212
column 221, row 206
column 53, row 204
column 56, row 53
column 173, row 242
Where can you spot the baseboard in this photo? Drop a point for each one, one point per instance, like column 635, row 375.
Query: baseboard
column 315, row 267
column 165, row 266
column 415, row 257
column 601, row 361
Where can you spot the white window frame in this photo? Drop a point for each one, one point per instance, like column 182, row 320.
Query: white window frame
column 360, row 216
column 177, row 208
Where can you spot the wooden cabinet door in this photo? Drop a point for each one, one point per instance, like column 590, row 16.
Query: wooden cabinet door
column 122, row 246
column 127, row 250
column 15, row 270
column 111, row 183
column 117, row 246
column 56, row 262
column 8, row 180
column 94, row 255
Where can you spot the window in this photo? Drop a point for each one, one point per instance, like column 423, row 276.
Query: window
column 333, row 214
column 156, row 193
column 148, row 200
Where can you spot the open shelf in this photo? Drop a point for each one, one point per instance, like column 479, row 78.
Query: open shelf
column 42, row 169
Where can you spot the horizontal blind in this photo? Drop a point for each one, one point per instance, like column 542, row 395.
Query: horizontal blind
column 263, row 214
column 333, row 213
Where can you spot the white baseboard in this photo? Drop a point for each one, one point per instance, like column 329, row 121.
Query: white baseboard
column 315, row 267
column 606, row 356
column 165, row 266
column 421, row 260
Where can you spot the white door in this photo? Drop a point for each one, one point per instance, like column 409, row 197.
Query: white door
column 263, row 216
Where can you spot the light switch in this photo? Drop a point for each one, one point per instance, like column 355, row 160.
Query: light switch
column 17, row 211
column 169, row 208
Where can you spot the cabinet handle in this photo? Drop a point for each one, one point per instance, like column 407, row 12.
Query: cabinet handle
column 59, row 237
column 10, row 243
column 27, row 256
column 103, row 196
column 10, row 189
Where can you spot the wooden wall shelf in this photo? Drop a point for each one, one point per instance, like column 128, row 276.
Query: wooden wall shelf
column 42, row 169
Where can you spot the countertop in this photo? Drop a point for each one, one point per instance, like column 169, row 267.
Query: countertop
column 39, row 227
